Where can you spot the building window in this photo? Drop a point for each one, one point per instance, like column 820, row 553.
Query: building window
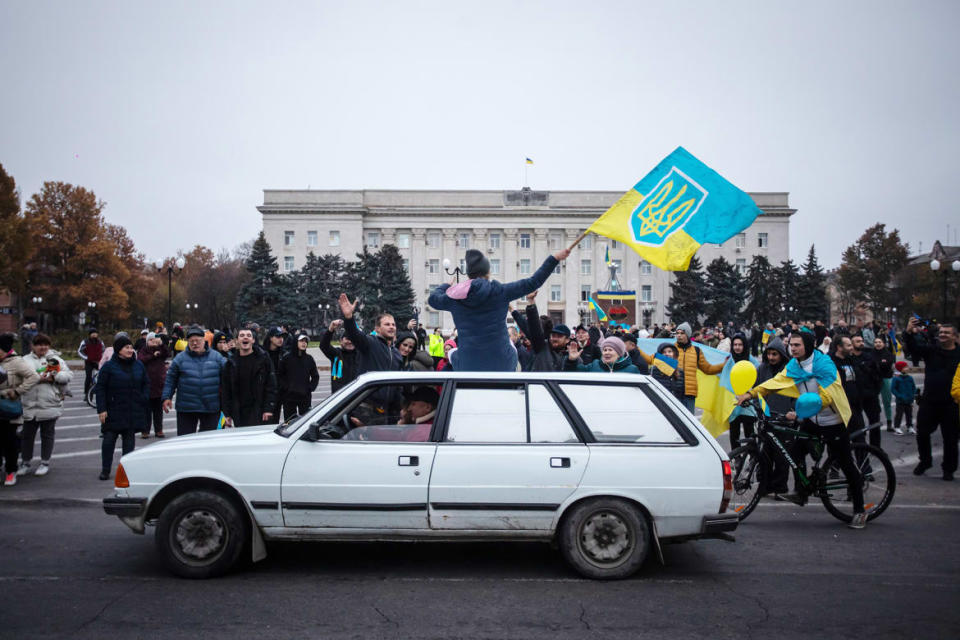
column 403, row 240
column 741, row 241
column 585, row 292
column 334, row 238
column 646, row 293
column 494, row 240
column 586, row 267
column 554, row 240
column 288, row 263
column 406, row 265
column 433, row 239
column 288, row 237
column 433, row 318
column 742, row 265
column 433, row 265
column 524, row 240
column 463, row 266
column 525, row 267
column 495, row 267
column 614, row 244
column 554, row 293
column 373, row 239
column 762, row 240
column 645, row 268
column 312, row 239
column 587, row 242
column 464, row 241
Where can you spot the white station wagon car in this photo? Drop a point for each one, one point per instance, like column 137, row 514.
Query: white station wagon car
column 605, row 466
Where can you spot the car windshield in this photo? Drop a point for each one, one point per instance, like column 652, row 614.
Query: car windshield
column 288, row 427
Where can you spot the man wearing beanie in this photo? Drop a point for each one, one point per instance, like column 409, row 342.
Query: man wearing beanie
column 479, row 306
column 689, row 359
column 20, row 379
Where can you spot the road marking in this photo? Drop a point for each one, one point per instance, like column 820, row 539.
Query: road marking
column 934, row 506
column 75, row 454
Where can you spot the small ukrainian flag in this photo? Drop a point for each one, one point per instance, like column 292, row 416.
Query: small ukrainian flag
column 529, row 161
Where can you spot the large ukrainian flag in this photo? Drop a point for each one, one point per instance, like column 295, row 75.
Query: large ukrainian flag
column 679, row 206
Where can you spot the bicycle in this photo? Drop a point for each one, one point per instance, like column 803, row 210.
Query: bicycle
column 91, row 396
column 752, row 466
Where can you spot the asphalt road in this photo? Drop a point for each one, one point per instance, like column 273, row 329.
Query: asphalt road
column 69, row 571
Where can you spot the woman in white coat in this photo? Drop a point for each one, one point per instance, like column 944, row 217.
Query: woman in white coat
column 43, row 404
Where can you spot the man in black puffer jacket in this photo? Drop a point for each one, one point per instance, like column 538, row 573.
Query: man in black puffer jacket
column 297, row 379
column 248, row 384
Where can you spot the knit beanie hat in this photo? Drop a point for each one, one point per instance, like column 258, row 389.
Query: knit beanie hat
column 6, row 342
column 120, row 341
column 477, row 264
column 901, row 365
column 685, row 327
column 614, row 343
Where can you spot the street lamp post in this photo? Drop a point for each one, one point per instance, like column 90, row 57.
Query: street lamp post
column 159, row 264
column 192, row 319
column 92, row 306
column 456, row 271
column 324, row 309
column 955, row 267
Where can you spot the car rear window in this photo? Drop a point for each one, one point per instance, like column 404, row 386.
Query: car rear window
column 621, row 413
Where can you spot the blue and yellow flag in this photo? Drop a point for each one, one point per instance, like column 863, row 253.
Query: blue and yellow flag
column 828, row 383
column 222, row 422
column 606, row 257
column 665, row 364
column 601, row 314
column 529, row 161
column 679, row 206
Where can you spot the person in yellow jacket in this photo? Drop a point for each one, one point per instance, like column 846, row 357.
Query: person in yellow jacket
column 955, row 387
column 435, row 346
column 689, row 359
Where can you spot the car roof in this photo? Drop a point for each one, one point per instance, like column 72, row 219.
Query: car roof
column 501, row 376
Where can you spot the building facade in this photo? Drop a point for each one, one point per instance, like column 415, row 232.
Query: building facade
column 517, row 230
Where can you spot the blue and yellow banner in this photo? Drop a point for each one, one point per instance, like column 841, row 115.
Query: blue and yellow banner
column 601, row 314
column 675, row 209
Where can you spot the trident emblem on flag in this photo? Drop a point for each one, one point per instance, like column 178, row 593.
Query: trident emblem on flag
column 666, row 208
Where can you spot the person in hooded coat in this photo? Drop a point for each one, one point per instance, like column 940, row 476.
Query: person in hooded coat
column 775, row 358
column 123, row 401
column 479, row 306
column 413, row 359
column 742, row 417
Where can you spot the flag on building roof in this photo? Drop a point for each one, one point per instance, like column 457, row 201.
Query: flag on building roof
column 675, row 209
column 529, row 161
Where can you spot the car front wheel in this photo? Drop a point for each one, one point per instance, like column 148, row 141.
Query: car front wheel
column 200, row 534
column 605, row 538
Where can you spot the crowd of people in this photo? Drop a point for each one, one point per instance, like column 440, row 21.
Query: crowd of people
column 233, row 380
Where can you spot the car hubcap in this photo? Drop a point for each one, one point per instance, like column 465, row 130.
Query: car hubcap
column 200, row 535
column 605, row 538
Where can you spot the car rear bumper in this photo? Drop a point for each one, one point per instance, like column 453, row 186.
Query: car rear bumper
column 721, row 523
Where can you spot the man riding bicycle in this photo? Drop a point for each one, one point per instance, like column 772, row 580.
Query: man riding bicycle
column 810, row 371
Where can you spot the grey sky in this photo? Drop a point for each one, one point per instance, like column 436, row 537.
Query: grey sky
column 178, row 116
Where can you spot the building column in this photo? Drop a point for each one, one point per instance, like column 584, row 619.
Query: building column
column 418, row 272
column 571, row 281
column 450, row 253
column 510, row 253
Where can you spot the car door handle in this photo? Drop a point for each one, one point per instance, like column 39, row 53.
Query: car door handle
column 408, row 461
column 560, row 463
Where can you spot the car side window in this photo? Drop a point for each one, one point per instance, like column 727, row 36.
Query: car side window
column 621, row 413
column 547, row 421
column 488, row 415
column 386, row 413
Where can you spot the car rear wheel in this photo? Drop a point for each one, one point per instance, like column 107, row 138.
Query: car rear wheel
column 605, row 538
column 200, row 534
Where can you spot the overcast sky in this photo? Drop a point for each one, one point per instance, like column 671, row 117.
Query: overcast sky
column 178, row 114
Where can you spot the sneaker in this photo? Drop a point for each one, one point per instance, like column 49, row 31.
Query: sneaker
column 144, row 436
column 11, row 479
column 24, row 469
column 920, row 469
column 160, row 434
column 898, row 431
column 911, row 431
column 104, row 475
column 43, row 469
column 859, row 521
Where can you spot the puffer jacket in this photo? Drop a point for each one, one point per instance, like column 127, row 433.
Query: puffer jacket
column 45, row 400
column 622, row 365
column 691, row 359
column 195, row 378
column 123, row 391
column 479, row 307
column 21, row 377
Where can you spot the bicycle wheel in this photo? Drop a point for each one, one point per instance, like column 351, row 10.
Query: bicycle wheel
column 91, row 397
column 879, row 483
column 749, row 478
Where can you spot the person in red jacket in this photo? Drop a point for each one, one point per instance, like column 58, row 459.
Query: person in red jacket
column 154, row 356
column 91, row 350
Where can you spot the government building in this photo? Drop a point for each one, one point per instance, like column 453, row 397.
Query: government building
column 516, row 229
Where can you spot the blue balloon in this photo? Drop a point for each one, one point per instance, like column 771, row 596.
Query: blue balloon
column 808, row 405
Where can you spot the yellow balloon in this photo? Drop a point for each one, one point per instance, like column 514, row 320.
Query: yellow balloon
column 742, row 376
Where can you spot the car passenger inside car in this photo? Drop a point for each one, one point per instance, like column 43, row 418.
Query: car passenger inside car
column 410, row 422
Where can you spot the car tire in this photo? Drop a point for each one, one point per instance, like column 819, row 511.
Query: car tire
column 200, row 534
column 605, row 538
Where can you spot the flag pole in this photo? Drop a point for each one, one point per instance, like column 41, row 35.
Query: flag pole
column 577, row 241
